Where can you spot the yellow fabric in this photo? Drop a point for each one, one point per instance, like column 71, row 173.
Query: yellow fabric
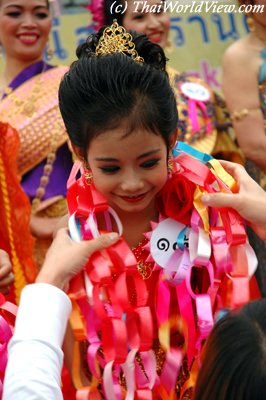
column 32, row 109
column 201, row 208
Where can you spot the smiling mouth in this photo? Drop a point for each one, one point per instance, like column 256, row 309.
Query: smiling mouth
column 156, row 36
column 28, row 39
column 134, row 198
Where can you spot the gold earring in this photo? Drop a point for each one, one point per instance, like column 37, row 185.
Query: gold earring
column 251, row 24
column 87, row 173
column 49, row 52
column 170, row 165
column 169, row 45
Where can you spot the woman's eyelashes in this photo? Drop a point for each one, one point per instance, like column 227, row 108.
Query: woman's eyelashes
column 42, row 15
column 138, row 17
column 110, row 169
column 150, row 163
column 14, row 14
column 17, row 14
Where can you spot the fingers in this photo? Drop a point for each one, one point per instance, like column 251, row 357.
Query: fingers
column 220, row 200
column 5, row 282
column 99, row 243
column 62, row 223
column 5, row 290
column 69, row 257
column 5, row 264
column 6, row 276
column 234, row 169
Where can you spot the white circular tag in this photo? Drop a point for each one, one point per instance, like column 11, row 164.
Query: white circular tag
column 163, row 242
column 195, row 91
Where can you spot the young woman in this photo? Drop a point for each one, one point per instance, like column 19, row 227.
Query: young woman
column 245, row 94
column 120, row 113
column 203, row 118
column 28, row 93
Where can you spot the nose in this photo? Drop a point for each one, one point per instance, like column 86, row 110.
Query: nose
column 153, row 21
column 132, row 182
column 29, row 20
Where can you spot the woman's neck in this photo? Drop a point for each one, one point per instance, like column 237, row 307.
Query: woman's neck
column 258, row 35
column 135, row 224
column 13, row 67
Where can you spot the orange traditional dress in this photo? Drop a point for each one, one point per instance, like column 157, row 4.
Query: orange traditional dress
column 35, row 155
column 30, row 105
column 15, row 210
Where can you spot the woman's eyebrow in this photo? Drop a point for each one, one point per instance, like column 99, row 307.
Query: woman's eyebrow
column 148, row 153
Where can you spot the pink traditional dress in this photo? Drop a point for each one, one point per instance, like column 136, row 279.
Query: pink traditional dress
column 140, row 316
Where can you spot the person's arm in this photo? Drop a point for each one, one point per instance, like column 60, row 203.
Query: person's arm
column 249, row 202
column 240, row 88
column 35, row 355
column 6, row 275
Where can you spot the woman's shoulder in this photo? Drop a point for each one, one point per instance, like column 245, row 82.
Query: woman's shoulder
column 237, row 53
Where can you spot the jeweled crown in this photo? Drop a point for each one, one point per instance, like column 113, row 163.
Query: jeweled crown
column 115, row 39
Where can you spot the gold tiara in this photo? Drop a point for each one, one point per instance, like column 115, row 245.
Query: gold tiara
column 115, row 39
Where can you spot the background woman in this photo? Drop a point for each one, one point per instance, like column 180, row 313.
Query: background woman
column 244, row 87
column 125, row 166
column 29, row 103
column 203, row 119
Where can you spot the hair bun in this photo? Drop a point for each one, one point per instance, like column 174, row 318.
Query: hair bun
column 152, row 53
column 89, row 46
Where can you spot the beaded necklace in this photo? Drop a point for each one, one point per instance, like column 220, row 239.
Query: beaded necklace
column 144, row 267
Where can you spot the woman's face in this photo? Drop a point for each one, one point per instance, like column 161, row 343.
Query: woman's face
column 24, row 28
column 260, row 17
column 129, row 170
column 153, row 24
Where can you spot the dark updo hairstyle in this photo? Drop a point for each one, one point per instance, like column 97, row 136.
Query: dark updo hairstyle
column 234, row 361
column 101, row 92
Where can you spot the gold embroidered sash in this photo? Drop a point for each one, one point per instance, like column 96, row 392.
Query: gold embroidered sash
column 32, row 109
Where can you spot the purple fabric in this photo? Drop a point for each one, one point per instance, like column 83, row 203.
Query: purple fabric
column 63, row 163
column 29, row 72
column 58, row 178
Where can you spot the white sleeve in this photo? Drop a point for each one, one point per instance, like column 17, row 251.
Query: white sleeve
column 35, row 356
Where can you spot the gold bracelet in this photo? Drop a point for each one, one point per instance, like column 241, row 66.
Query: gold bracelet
column 239, row 115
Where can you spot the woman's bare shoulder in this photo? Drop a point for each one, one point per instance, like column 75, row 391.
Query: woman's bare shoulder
column 238, row 52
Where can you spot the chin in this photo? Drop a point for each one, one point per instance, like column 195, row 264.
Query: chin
column 133, row 208
column 163, row 43
column 31, row 57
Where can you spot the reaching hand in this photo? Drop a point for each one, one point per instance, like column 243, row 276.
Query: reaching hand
column 65, row 258
column 6, row 276
column 249, row 202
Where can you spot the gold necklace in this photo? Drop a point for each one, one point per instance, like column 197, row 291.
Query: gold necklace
column 144, row 268
column 27, row 107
